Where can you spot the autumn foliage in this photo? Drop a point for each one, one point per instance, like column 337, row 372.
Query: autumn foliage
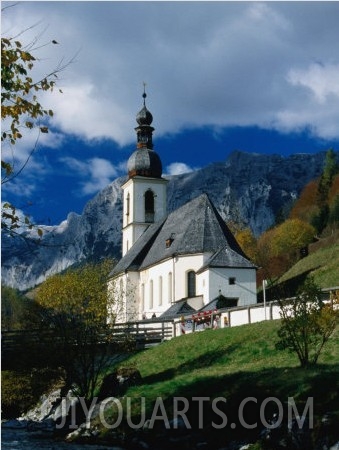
column 316, row 211
column 306, row 205
column 75, row 306
column 20, row 110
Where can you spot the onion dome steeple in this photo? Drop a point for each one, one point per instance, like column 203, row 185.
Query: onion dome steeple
column 144, row 161
column 144, row 117
column 144, row 130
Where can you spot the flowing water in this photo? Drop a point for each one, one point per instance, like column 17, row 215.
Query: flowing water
column 12, row 439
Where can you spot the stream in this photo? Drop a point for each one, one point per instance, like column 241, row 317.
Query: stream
column 12, row 439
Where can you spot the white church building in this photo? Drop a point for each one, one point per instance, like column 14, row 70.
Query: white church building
column 176, row 263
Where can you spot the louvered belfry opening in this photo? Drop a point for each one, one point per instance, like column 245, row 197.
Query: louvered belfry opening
column 149, row 206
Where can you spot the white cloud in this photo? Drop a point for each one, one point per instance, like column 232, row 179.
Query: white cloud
column 84, row 111
column 94, row 174
column 223, row 64
column 321, row 80
column 178, row 168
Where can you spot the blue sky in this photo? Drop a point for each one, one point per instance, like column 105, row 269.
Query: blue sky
column 252, row 76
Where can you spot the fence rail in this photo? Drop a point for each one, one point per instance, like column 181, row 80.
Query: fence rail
column 142, row 333
column 147, row 332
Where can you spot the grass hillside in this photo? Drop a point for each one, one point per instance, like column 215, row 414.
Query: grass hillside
column 234, row 363
column 204, row 360
column 322, row 263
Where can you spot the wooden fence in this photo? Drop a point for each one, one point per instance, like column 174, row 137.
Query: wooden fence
column 147, row 332
column 143, row 333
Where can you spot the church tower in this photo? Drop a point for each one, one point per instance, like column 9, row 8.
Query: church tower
column 144, row 193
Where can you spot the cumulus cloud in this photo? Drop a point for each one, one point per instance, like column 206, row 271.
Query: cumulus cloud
column 178, row 168
column 224, row 64
column 83, row 111
column 94, row 174
column 321, row 80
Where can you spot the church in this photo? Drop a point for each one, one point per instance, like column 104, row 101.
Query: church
column 172, row 264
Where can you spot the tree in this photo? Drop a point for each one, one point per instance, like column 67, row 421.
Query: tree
column 333, row 197
column 20, row 109
column 320, row 220
column 307, row 323
column 291, row 236
column 331, row 168
column 279, row 248
column 306, row 205
column 334, row 213
column 247, row 242
column 75, row 307
column 17, row 311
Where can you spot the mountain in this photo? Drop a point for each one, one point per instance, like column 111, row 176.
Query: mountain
column 254, row 188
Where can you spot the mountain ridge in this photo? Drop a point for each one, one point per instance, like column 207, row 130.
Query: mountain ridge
column 250, row 187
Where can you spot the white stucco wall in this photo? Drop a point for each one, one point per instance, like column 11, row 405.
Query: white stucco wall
column 153, row 290
column 123, row 297
column 168, row 280
column 134, row 222
column 244, row 286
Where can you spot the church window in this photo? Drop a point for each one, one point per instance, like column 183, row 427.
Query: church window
column 149, row 206
column 160, row 291
column 170, row 287
column 151, row 294
column 191, row 283
column 142, row 297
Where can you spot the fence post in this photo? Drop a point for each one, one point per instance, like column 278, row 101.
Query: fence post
column 163, row 330
column 249, row 314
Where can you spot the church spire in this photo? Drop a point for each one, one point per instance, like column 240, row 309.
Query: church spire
column 144, row 130
column 144, row 161
column 144, row 192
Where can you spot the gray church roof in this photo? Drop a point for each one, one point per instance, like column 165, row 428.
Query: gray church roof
column 220, row 302
column 179, row 308
column 195, row 227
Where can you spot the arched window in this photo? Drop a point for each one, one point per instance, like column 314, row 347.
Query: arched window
column 170, row 287
column 142, row 297
column 151, row 294
column 160, row 291
column 191, row 283
column 149, row 206
column 127, row 204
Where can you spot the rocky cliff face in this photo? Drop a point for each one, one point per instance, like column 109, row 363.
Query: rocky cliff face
column 252, row 187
